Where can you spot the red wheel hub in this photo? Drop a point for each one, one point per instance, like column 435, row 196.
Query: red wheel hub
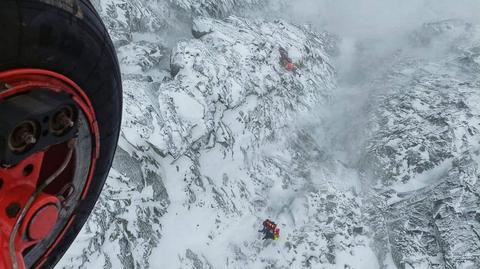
column 19, row 183
column 43, row 220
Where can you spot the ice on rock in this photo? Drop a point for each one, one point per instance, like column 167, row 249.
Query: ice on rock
column 424, row 152
column 214, row 8
column 193, row 147
column 214, row 141
column 219, row 71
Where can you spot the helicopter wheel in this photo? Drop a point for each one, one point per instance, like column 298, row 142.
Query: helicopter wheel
column 60, row 116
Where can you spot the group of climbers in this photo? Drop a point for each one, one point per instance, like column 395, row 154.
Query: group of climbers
column 270, row 230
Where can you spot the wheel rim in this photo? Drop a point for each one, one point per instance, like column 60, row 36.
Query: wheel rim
column 35, row 213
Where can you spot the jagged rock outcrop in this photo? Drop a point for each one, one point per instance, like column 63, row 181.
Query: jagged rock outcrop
column 214, row 8
column 221, row 70
column 190, row 144
column 214, row 140
column 425, row 151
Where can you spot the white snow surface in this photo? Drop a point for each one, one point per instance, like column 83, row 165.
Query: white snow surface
column 217, row 136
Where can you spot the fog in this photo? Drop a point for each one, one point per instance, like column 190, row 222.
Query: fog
column 382, row 26
column 379, row 18
column 372, row 34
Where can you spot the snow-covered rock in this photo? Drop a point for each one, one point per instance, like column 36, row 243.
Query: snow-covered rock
column 424, row 152
column 215, row 8
column 214, row 140
column 197, row 150
column 220, row 71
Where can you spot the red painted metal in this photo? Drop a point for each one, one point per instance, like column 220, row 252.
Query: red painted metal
column 42, row 222
column 59, row 238
column 19, row 182
column 17, row 187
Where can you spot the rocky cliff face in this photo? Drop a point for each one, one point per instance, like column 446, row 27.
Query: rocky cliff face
column 424, row 151
column 215, row 8
column 218, row 134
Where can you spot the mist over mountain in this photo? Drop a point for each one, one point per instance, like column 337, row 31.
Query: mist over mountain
column 364, row 150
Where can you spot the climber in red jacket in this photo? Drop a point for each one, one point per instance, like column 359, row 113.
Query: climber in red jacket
column 269, row 230
column 286, row 61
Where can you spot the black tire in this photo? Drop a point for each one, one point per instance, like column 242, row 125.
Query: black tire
column 68, row 37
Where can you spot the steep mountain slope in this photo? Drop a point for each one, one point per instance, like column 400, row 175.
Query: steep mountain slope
column 207, row 152
column 218, row 135
column 425, row 151
column 214, row 8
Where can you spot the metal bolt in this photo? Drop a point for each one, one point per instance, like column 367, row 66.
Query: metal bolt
column 62, row 121
column 23, row 136
column 28, row 138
